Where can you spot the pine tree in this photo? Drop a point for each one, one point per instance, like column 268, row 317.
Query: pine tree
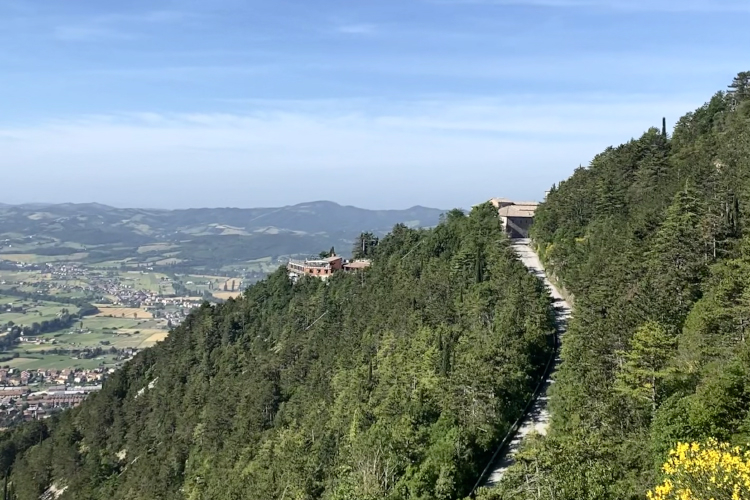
column 739, row 90
column 677, row 261
column 646, row 363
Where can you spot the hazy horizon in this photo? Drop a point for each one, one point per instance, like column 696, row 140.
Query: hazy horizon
column 126, row 207
column 394, row 103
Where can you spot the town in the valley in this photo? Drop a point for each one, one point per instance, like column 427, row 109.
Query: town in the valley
column 65, row 326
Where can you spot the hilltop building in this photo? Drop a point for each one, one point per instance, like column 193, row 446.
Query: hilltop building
column 516, row 217
column 323, row 268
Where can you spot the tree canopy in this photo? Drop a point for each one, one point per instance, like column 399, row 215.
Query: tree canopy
column 396, row 382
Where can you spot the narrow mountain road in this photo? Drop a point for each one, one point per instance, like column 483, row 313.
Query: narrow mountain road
column 537, row 419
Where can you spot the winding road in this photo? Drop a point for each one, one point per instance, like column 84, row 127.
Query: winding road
column 537, row 419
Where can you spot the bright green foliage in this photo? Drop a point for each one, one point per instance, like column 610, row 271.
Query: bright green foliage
column 554, row 469
column 393, row 383
column 651, row 240
column 645, row 363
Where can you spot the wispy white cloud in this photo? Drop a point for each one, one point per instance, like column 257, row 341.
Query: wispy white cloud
column 90, row 33
column 196, row 72
column 622, row 5
column 357, row 29
column 116, row 26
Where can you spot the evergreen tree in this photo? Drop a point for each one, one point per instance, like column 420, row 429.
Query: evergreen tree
column 739, row 89
column 645, row 363
column 677, row 258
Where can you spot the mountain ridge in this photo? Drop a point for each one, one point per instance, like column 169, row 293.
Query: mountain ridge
column 227, row 207
column 110, row 233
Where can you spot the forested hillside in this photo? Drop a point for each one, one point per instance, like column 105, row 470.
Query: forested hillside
column 392, row 383
column 653, row 240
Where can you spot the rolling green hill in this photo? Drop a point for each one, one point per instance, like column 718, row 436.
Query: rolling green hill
column 209, row 238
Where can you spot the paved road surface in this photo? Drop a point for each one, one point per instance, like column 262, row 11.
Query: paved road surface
column 538, row 418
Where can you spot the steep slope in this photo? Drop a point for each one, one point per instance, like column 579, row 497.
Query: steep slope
column 652, row 239
column 394, row 383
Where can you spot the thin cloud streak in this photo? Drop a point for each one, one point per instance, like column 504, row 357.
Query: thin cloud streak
column 183, row 72
column 84, row 33
column 409, row 142
column 621, row 5
column 117, row 26
column 357, row 29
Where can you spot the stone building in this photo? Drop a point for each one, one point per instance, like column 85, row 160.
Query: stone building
column 516, row 217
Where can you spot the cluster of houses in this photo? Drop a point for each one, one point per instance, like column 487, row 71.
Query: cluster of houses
column 32, row 400
column 74, row 278
column 127, row 295
column 65, row 272
column 14, row 377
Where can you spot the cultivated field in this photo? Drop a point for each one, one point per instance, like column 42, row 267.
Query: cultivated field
column 123, row 312
column 30, row 258
column 156, row 247
column 155, row 282
column 155, row 337
column 34, row 312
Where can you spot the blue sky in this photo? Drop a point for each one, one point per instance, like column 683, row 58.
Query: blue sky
column 380, row 104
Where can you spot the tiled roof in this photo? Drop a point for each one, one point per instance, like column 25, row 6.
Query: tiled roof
column 517, row 211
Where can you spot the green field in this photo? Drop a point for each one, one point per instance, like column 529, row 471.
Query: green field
column 13, row 278
column 154, row 282
column 98, row 331
column 265, row 265
column 36, row 311
column 96, row 323
column 131, row 337
column 107, row 264
column 156, row 247
column 30, row 258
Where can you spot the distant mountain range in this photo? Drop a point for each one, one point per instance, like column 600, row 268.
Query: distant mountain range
column 226, row 234
column 104, row 221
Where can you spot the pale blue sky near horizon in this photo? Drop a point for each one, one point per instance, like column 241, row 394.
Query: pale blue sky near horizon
column 379, row 104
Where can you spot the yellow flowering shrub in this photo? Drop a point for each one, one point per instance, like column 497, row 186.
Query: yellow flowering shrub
column 708, row 471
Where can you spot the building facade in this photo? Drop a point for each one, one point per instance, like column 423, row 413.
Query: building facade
column 324, row 268
column 516, row 217
column 320, row 268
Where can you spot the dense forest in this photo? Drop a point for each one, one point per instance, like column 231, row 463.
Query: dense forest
column 396, row 382
column 653, row 240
